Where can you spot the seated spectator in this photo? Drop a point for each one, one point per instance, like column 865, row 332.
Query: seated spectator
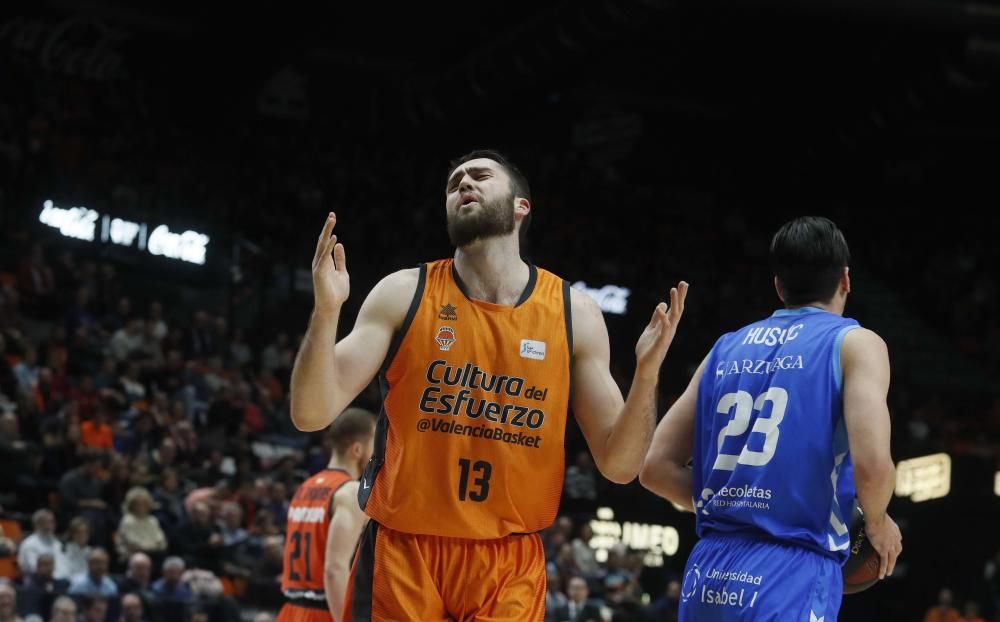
column 131, row 609
column 94, row 582
column 51, row 389
column 75, row 550
column 82, row 493
column 39, row 590
column 265, row 578
column 253, row 417
column 86, row 396
column 277, row 503
column 277, row 355
column 269, row 386
column 200, row 340
column 170, row 588
column 632, row 571
column 618, row 595
column 165, row 457
column 129, row 382
column 583, row 555
column 158, row 328
column 263, row 526
column 129, row 339
column 19, row 459
column 107, row 376
column 205, row 586
column 169, row 501
column 8, row 603
column 41, row 541
column 579, row 608
column 96, row 433
column 565, row 562
column 239, row 352
column 95, row 609
column 138, row 437
column 199, row 540
column 216, row 377
column 666, row 607
column 555, row 600
column 117, row 482
column 210, row 597
column 60, row 433
column 137, row 575
column 580, row 485
column 139, row 530
column 63, row 610
column 186, row 441
column 26, row 371
column 231, row 524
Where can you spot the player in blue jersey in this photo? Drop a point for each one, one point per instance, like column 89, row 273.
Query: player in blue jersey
column 781, row 423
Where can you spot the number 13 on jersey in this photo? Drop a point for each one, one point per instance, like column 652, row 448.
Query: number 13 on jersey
column 482, row 483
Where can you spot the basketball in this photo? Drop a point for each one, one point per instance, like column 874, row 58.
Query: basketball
column 861, row 569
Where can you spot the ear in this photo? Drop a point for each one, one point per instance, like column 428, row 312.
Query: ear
column 777, row 289
column 522, row 207
column 845, row 280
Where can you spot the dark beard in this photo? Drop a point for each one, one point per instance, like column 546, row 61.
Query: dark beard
column 492, row 220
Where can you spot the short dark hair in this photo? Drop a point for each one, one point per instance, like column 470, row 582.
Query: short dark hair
column 351, row 426
column 808, row 255
column 518, row 182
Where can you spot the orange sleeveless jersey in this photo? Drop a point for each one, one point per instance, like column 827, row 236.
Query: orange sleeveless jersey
column 469, row 443
column 309, row 516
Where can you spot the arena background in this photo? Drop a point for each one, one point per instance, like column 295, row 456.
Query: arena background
column 663, row 141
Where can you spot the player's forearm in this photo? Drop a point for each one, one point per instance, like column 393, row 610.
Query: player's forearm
column 335, row 579
column 628, row 441
column 669, row 480
column 313, row 385
column 874, row 484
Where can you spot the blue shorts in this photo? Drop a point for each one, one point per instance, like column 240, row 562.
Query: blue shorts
column 736, row 577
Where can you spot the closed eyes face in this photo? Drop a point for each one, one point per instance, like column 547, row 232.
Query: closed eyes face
column 475, row 181
column 479, row 202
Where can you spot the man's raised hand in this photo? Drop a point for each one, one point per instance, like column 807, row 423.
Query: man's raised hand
column 331, row 283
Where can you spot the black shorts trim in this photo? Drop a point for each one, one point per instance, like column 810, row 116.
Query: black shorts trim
column 364, row 575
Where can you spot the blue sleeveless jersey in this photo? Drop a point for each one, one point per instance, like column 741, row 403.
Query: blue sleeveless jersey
column 771, row 457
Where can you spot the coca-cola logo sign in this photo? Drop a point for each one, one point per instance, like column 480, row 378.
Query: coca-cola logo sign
column 83, row 223
column 78, row 46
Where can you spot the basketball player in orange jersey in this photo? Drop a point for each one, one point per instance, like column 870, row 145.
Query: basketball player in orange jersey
column 325, row 525
column 475, row 355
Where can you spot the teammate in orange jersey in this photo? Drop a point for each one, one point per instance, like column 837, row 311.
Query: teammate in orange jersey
column 474, row 355
column 325, row 524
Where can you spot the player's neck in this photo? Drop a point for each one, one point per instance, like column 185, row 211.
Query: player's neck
column 492, row 269
column 834, row 306
column 344, row 465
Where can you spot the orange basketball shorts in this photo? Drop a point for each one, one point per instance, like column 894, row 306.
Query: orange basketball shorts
column 401, row 577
